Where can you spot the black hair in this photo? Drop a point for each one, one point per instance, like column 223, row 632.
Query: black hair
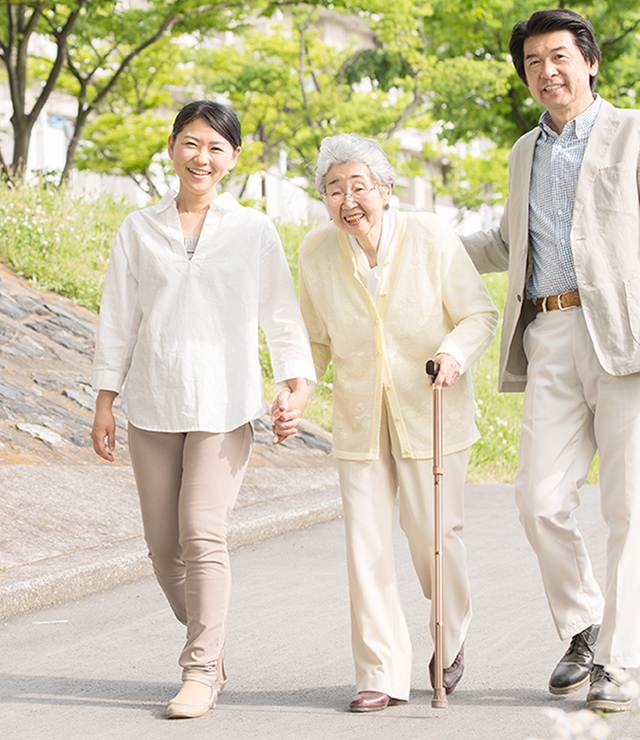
column 219, row 117
column 548, row 21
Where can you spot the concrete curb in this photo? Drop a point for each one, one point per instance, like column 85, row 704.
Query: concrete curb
column 94, row 569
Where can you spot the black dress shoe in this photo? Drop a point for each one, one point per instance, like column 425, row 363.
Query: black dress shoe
column 450, row 676
column 607, row 692
column 574, row 668
column 372, row 701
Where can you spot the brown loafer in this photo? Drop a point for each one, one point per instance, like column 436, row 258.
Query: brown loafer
column 451, row 675
column 372, row 701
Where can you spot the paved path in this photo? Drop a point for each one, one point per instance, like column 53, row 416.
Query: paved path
column 104, row 666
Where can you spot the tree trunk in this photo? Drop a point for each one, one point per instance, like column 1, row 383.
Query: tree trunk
column 81, row 122
column 22, row 131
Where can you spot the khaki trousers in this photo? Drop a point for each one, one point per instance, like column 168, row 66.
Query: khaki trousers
column 188, row 484
column 379, row 635
column 571, row 408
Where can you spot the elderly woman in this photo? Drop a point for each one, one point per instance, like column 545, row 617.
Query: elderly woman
column 381, row 292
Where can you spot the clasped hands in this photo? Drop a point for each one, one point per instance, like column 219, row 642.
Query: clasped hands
column 287, row 408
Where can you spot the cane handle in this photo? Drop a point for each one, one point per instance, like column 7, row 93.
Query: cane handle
column 430, row 369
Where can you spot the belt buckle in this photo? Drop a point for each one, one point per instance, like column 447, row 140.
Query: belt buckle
column 560, row 306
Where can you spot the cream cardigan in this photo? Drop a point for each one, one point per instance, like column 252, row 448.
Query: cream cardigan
column 431, row 300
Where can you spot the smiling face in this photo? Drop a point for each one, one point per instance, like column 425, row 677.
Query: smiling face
column 558, row 76
column 360, row 214
column 201, row 158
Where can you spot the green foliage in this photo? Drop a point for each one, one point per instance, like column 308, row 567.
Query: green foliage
column 59, row 241
column 286, row 86
column 131, row 130
column 474, row 181
column 455, row 55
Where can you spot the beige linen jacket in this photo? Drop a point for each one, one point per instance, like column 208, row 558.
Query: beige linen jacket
column 605, row 240
column 431, row 300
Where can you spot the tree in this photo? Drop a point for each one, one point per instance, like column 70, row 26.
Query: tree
column 131, row 129
column 19, row 22
column 95, row 42
column 286, row 86
column 455, row 59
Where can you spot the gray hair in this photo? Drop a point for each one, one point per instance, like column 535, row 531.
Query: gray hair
column 347, row 148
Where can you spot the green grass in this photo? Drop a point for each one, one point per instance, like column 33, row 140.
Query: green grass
column 61, row 242
column 58, row 240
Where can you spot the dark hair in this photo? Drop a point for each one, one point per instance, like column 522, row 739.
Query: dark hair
column 548, row 21
column 219, row 117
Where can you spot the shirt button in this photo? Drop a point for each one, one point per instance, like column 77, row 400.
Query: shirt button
column 376, row 322
column 379, row 353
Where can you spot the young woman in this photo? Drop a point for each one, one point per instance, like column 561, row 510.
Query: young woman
column 189, row 281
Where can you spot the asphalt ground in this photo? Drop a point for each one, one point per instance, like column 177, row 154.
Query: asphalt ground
column 104, row 666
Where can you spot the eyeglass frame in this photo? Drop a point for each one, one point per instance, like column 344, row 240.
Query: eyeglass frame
column 350, row 194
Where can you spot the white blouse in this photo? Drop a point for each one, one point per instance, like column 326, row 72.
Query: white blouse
column 183, row 333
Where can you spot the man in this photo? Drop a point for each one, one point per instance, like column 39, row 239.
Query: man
column 570, row 238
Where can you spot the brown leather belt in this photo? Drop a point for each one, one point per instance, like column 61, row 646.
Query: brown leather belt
column 562, row 301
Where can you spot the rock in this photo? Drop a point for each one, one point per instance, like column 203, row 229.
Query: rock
column 11, row 392
column 9, row 307
column 86, row 397
column 40, row 432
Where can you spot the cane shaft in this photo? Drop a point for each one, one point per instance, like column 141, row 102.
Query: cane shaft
column 439, row 699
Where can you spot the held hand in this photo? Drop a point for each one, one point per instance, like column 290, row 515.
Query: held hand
column 448, row 370
column 103, row 433
column 287, row 408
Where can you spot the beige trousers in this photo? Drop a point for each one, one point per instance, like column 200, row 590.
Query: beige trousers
column 188, row 484
column 571, row 408
column 379, row 635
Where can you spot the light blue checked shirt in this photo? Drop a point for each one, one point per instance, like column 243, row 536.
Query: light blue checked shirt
column 554, row 179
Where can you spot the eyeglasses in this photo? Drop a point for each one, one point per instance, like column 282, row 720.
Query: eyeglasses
column 359, row 194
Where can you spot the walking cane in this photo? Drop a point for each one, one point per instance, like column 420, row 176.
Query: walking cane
column 439, row 699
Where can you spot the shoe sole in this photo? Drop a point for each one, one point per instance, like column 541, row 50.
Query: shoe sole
column 361, row 710
column 390, row 703
column 607, row 705
column 564, row 690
